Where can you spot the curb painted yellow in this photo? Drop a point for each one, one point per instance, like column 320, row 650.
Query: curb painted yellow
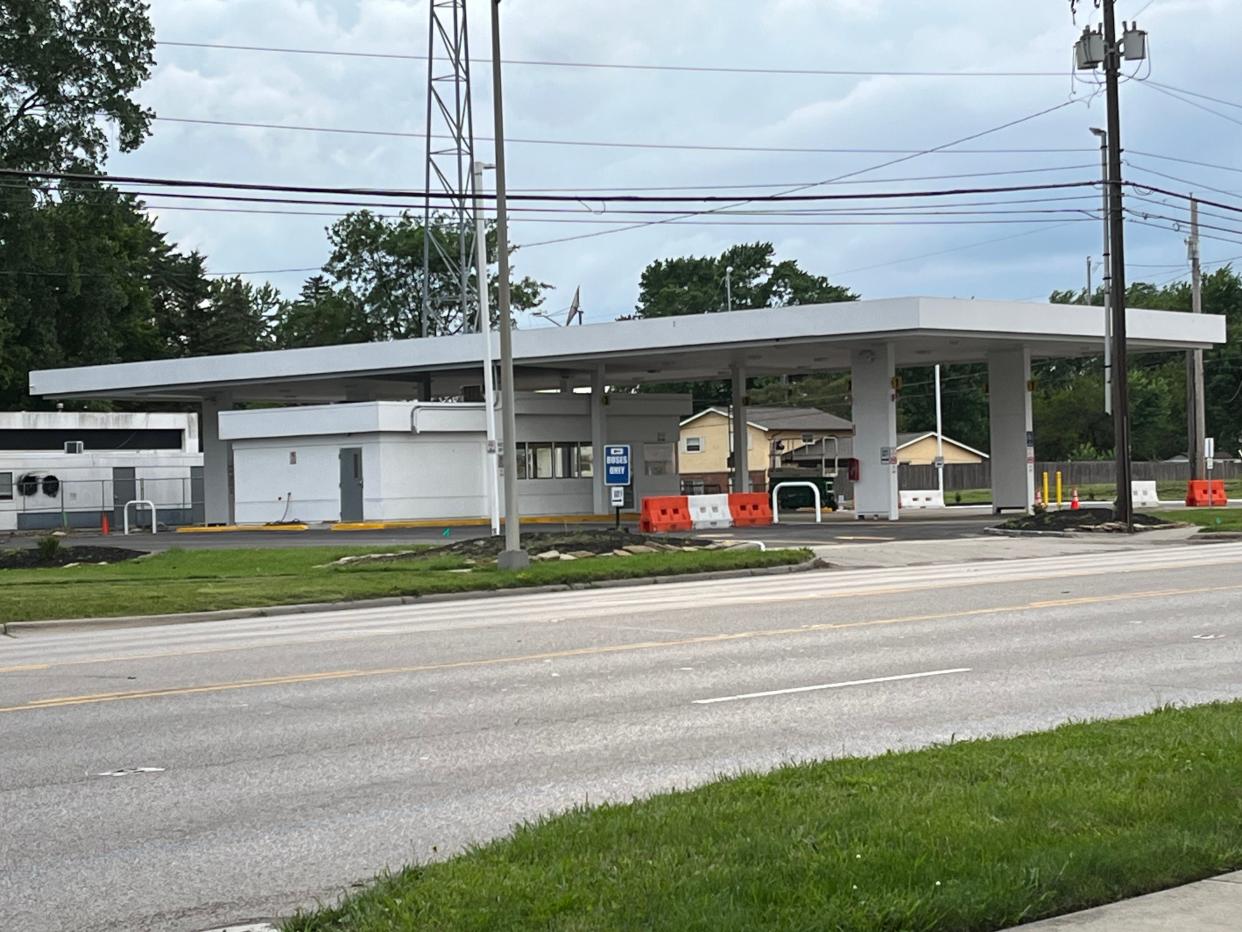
column 233, row 528
column 476, row 522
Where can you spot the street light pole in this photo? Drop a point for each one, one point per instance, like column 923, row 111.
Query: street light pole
column 729, row 288
column 513, row 557
column 485, row 328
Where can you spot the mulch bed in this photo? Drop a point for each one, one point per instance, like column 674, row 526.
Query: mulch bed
column 30, row 558
column 1085, row 519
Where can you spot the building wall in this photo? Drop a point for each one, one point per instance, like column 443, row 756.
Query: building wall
column 923, row 453
column 713, row 429
column 86, row 486
column 111, row 421
column 437, row 472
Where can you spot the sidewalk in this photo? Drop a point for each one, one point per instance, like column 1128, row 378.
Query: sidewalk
column 1213, row 905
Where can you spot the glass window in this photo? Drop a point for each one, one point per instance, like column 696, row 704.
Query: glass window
column 586, row 461
column 566, row 461
column 694, row 444
column 659, row 459
column 542, row 456
column 6, row 487
column 523, row 470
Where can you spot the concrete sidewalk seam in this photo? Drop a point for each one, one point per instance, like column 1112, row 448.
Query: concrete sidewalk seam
column 277, row 611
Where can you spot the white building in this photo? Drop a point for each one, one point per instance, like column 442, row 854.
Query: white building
column 70, row 468
column 401, row 460
column 868, row 339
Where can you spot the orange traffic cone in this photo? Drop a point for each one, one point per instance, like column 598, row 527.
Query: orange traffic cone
column 1074, row 501
column 1039, row 498
column 103, row 525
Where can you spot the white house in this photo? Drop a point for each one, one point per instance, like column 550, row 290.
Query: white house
column 70, row 468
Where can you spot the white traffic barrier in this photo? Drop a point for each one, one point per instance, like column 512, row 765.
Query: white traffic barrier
column 1144, row 493
column 136, row 503
column 918, row 501
column 709, row 511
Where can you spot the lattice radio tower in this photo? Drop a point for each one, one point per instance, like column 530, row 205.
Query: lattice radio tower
column 450, row 158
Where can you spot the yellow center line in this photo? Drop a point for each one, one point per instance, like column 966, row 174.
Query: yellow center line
column 299, row 678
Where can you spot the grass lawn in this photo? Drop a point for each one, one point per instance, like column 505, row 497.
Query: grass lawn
column 204, row 580
column 971, row 836
column 1210, row 519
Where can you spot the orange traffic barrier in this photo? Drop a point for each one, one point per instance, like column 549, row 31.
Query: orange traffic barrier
column 1206, row 493
column 665, row 513
column 750, row 509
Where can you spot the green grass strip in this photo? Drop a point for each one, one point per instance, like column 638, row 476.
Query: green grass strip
column 210, row 580
column 971, row 836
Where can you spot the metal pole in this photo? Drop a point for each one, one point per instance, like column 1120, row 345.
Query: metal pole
column 485, row 328
column 425, row 317
column 729, row 288
column 1088, row 299
column 939, row 438
column 1196, row 417
column 1106, row 196
column 513, row 557
column 1121, row 381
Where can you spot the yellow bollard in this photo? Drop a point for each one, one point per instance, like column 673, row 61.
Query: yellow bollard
column 1047, row 501
column 1060, row 499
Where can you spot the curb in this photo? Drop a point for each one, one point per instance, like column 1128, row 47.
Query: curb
column 1085, row 534
column 279, row 611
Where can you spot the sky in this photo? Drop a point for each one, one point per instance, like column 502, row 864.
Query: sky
column 1192, row 45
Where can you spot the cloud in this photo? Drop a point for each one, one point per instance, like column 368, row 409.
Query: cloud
column 1190, row 39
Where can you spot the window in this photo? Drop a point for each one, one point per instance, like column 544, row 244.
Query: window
column 659, row 459
column 6, row 487
column 566, row 460
column 541, row 460
column 586, row 461
column 694, row 444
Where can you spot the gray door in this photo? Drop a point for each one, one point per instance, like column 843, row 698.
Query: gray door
column 351, row 484
column 124, row 489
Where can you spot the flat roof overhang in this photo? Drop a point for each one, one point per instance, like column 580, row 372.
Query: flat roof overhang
column 769, row 341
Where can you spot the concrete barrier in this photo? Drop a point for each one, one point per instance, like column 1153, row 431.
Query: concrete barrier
column 1144, row 493
column 920, row 500
column 710, row 511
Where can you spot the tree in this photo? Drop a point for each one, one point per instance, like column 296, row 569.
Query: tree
column 63, row 65
column 376, row 272
column 696, row 285
column 236, row 318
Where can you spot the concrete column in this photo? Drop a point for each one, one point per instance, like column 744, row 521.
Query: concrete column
column 875, row 431
column 217, row 463
column 741, row 433
column 1013, row 447
column 599, row 437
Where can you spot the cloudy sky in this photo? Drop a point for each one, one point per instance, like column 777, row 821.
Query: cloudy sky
column 735, row 120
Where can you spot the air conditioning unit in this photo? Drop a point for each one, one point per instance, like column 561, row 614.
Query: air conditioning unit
column 75, row 446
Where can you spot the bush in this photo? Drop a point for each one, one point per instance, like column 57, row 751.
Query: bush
column 49, row 548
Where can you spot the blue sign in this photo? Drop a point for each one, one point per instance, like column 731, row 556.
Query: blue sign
column 617, row 464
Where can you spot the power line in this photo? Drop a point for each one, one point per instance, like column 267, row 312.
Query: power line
column 1194, row 184
column 624, row 66
column 1159, row 89
column 791, row 196
column 847, row 175
column 1174, row 158
column 1182, row 90
column 612, row 144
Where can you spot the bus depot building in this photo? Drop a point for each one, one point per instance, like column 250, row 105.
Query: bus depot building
column 338, row 433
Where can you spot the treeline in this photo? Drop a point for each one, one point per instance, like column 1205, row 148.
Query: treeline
column 87, row 279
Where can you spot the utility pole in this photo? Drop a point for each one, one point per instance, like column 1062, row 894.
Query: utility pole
column 1195, row 402
column 513, row 557
column 492, row 479
column 1087, row 294
column 1092, row 50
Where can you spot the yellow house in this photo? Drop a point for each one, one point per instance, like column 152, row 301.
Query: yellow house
column 707, row 443
column 920, row 450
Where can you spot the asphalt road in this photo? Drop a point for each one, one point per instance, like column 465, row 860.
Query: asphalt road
column 290, row 757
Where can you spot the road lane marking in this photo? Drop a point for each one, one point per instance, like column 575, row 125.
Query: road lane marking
column 300, row 678
column 812, row 689
column 692, row 599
